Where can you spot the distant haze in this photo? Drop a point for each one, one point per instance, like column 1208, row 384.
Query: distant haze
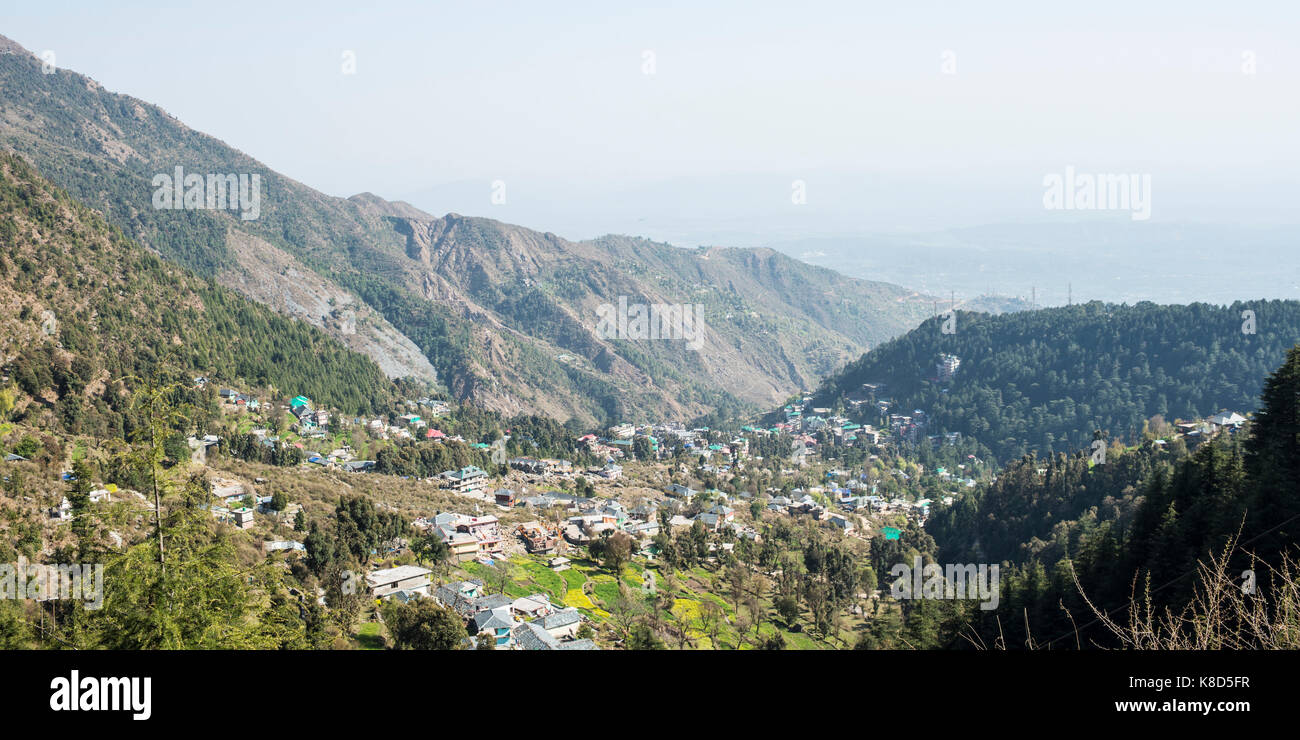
column 920, row 135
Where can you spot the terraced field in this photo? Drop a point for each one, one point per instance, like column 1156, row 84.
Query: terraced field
column 591, row 589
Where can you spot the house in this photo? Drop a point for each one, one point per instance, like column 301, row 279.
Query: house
column 593, row 524
column 710, row 520
column 537, row 537
column 469, row 479
column 947, row 366
column 644, row 529
column 1227, row 420
column 227, row 489
column 558, row 467
column 460, row 597
column 647, row 509
column 504, row 497
column 558, row 564
column 406, row 595
column 463, row 545
column 723, row 512
column 62, row 512
column 485, row 529
column 532, row 636
column 497, row 622
column 386, row 582
column 613, row 513
column 678, row 521
column 275, row 545
column 563, row 623
column 493, row 601
column 682, row 492
column 528, row 465
column 532, row 607
column 242, row 517
column 573, row 533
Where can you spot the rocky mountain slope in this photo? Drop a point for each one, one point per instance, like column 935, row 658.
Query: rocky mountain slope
column 497, row 313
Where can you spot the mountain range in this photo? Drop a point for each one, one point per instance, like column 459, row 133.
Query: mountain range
column 493, row 313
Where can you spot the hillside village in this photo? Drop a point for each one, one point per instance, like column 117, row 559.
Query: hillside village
column 541, row 520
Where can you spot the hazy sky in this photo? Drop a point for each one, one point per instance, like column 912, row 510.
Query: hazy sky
column 853, row 98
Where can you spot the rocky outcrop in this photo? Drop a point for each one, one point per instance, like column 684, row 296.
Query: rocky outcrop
column 275, row 278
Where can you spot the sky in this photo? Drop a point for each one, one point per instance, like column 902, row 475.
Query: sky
column 700, row 122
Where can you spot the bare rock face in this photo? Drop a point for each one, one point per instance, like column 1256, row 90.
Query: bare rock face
column 417, row 238
column 273, row 277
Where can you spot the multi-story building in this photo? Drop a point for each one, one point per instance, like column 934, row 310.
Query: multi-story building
column 469, row 479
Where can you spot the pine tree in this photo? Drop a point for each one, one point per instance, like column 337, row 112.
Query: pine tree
column 1273, row 462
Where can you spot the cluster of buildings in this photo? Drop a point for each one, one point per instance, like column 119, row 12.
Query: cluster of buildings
column 311, row 421
column 63, row 512
column 1224, row 421
column 468, row 537
column 434, row 408
column 235, row 398
column 906, row 428
column 231, row 396
column 801, row 503
column 805, row 422
column 526, row 623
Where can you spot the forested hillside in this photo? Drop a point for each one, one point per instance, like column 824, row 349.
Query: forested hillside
column 86, row 311
column 1045, row 380
column 1138, row 531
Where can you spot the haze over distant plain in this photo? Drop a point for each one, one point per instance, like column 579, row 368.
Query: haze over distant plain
column 929, row 127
